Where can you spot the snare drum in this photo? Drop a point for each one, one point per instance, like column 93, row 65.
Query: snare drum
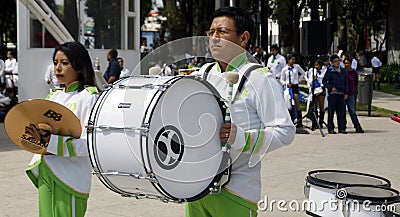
column 366, row 201
column 158, row 137
column 392, row 209
column 322, row 186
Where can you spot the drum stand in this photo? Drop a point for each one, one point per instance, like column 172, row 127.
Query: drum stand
column 311, row 113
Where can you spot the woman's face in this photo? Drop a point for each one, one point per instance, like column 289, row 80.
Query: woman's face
column 317, row 66
column 63, row 69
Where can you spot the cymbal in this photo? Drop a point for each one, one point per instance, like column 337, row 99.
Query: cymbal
column 38, row 111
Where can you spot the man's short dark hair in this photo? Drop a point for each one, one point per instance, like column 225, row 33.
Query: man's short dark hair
column 113, row 53
column 242, row 19
column 274, row 46
column 334, row 56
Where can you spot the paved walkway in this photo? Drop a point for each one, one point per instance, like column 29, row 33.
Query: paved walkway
column 386, row 101
column 283, row 172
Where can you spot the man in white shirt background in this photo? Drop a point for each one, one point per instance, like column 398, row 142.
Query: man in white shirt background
column 376, row 65
column 276, row 62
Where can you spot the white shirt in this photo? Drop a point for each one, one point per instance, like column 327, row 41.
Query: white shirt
column 259, row 112
column 309, row 77
column 125, row 73
column 354, row 64
column 276, row 64
column 375, row 62
column 292, row 74
column 10, row 65
column 2, row 66
column 50, row 75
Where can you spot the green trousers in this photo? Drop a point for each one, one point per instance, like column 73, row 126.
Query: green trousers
column 219, row 205
column 55, row 201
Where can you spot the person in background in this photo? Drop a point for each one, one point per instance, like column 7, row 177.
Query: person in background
column 276, row 62
column 8, row 101
column 290, row 79
column 2, row 67
column 10, row 70
column 335, row 80
column 51, row 79
column 124, row 71
column 63, row 175
column 352, row 78
column 113, row 70
column 376, row 66
column 316, row 74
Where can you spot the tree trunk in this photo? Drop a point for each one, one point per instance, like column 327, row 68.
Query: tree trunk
column 393, row 32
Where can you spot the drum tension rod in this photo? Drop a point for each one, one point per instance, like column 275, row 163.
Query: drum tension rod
column 136, row 175
column 150, row 86
column 90, row 128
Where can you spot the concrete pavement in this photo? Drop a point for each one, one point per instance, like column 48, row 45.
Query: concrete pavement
column 386, row 101
column 283, row 173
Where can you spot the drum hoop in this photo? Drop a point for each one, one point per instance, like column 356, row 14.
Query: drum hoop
column 374, row 201
column 333, row 185
column 392, row 213
column 146, row 120
column 93, row 114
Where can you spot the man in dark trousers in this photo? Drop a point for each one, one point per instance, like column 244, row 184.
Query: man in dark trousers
column 335, row 80
column 113, row 70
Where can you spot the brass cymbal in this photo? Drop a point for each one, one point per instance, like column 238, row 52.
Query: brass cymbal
column 38, row 111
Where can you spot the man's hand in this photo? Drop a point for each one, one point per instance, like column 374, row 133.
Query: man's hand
column 228, row 133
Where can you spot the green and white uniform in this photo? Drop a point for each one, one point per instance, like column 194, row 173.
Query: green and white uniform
column 263, row 124
column 64, row 178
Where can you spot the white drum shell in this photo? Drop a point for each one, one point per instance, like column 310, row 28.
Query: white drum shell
column 187, row 105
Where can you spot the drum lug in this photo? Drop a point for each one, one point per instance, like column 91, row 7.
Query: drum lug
column 307, row 190
column 90, row 127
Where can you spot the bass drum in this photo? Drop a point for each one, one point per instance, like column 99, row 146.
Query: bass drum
column 158, row 137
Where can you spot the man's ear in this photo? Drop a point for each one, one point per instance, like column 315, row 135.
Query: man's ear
column 245, row 38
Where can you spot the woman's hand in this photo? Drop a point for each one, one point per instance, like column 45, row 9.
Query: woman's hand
column 228, row 133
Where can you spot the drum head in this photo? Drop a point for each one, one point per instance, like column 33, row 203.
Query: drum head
column 372, row 193
column 337, row 178
column 183, row 146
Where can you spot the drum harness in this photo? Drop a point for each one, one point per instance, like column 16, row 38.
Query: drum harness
column 226, row 174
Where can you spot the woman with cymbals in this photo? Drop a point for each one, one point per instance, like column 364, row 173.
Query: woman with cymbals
column 63, row 173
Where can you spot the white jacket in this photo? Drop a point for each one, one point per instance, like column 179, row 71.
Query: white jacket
column 70, row 165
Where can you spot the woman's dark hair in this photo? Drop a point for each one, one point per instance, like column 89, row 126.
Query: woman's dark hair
column 290, row 56
column 241, row 18
column 80, row 61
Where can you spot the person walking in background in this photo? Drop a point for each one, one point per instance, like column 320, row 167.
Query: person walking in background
column 376, row 66
column 63, row 175
column 124, row 71
column 276, row 62
column 113, row 70
column 10, row 70
column 290, row 79
column 352, row 78
column 335, row 80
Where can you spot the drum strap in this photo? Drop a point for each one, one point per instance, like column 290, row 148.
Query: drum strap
column 247, row 70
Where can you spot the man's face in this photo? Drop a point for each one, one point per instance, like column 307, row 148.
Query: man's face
column 273, row 51
column 336, row 62
column 9, row 55
column 225, row 42
column 108, row 56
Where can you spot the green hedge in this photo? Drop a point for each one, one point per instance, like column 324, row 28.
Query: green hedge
column 390, row 73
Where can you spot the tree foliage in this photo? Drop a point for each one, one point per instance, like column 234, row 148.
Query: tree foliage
column 8, row 24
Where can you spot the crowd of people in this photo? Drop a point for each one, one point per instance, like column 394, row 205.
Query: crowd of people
column 8, row 83
column 332, row 81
